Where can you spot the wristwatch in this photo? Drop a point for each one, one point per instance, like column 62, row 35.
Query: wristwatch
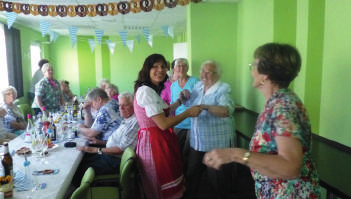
column 99, row 151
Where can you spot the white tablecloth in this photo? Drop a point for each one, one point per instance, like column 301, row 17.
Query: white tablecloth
column 65, row 159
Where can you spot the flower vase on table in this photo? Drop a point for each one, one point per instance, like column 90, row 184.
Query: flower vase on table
column 6, row 185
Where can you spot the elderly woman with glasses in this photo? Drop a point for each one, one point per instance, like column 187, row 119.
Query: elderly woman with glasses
column 213, row 128
column 48, row 92
column 280, row 150
column 14, row 119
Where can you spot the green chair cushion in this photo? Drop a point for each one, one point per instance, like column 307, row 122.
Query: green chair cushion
column 105, row 192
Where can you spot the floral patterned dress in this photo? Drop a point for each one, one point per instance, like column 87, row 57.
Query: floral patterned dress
column 285, row 115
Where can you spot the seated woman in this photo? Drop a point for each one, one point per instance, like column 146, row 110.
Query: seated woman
column 14, row 119
column 5, row 136
column 66, row 91
column 112, row 91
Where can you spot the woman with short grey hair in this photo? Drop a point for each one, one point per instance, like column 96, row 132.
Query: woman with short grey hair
column 14, row 119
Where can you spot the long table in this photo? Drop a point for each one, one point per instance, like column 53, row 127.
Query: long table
column 59, row 157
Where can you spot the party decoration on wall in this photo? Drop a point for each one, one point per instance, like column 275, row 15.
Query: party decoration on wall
column 73, row 34
column 146, row 33
column 99, row 34
column 123, row 35
column 91, row 44
column 171, row 31
column 138, row 38
column 53, row 36
column 149, row 40
column 92, row 10
column 111, row 46
column 44, row 27
column 11, row 18
column 165, row 30
column 130, row 45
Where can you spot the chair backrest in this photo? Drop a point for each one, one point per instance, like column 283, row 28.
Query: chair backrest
column 83, row 191
column 127, row 172
column 25, row 109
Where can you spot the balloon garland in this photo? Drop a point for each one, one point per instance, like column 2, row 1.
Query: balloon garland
column 92, row 10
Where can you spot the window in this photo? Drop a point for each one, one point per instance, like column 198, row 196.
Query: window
column 4, row 81
column 34, row 57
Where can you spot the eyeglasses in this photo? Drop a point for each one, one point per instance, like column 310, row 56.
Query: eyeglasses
column 208, row 72
column 252, row 65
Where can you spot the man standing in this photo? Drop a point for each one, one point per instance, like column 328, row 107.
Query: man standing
column 38, row 75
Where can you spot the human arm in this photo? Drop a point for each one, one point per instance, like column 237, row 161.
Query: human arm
column 89, row 132
column 110, row 151
column 88, row 118
column 93, row 140
column 39, row 101
column 17, row 125
column 220, row 111
column 285, row 165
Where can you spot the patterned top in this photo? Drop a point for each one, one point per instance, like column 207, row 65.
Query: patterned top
column 13, row 114
column 209, row 131
column 50, row 96
column 107, row 120
column 126, row 134
column 175, row 90
column 285, row 115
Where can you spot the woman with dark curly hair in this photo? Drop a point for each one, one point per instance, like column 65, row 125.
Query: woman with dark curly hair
column 280, row 149
column 157, row 150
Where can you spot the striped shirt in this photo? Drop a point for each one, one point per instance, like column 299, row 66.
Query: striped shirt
column 207, row 130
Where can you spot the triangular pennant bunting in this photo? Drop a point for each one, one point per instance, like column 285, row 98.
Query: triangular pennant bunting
column 91, row 44
column 146, row 33
column 130, row 44
column 111, row 45
column 171, row 31
column 11, row 18
column 150, row 40
column 73, row 34
column 44, row 27
column 137, row 38
column 53, row 36
column 165, row 30
column 99, row 34
column 123, row 35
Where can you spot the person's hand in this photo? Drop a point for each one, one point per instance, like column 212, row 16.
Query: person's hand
column 93, row 140
column 87, row 106
column 3, row 112
column 86, row 149
column 184, row 95
column 194, row 111
column 217, row 157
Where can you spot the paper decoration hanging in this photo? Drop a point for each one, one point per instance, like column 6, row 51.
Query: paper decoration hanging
column 165, row 30
column 11, row 18
column 99, row 34
column 44, row 27
column 123, row 35
column 53, row 36
column 150, row 40
column 138, row 38
column 91, row 44
column 111, row 46
column 130, row 45
column 73, row 34
column 146, row 33
column 171, row 31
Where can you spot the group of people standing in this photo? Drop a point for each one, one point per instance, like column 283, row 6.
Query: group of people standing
column 280, row 150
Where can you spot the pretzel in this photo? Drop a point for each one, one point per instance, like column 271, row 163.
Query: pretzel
column 25, row 9
column 33, row 9
column 81, row 10
column 52, row 10
column 2, row 6
column 101, row 9
column 43, row 10
column 112, row 9
column 47, row 171
column 183, row 2
column 123, row 7
column 71, row 11
column 135, row 6
column 159, row 5
column 23, row 151
column 16, row 8
column 91, row 10
column 146, row 5
column 171, row 3
column 61, row 10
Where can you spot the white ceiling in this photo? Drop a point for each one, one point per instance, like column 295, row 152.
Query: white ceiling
column 133, row 23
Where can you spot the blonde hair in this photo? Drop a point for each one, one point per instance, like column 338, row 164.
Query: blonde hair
column 46, row 67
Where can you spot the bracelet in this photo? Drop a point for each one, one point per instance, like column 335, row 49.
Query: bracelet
column 246, row 157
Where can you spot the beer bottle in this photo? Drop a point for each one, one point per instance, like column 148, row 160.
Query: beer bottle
column 6, row 161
